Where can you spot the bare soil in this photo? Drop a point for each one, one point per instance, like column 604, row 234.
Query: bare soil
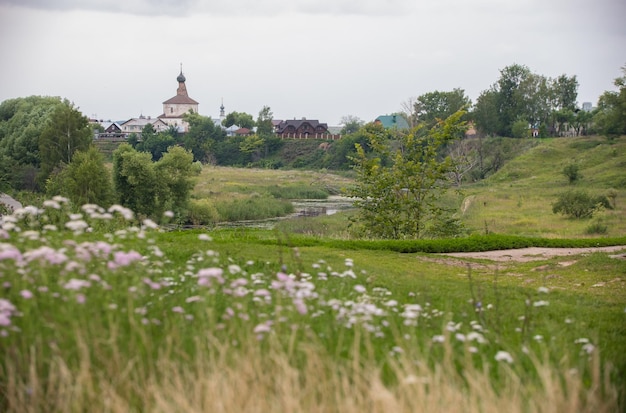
column 536, row 254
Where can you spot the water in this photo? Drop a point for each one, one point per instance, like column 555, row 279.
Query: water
column 303, row 208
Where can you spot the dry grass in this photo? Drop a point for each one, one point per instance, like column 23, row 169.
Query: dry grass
column 252, row 380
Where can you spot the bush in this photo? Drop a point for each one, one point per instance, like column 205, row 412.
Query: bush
column 579, row 204
column 596, row 228
column 256, row 207
column 202, row 212
column 572, row 173
column 298, row 192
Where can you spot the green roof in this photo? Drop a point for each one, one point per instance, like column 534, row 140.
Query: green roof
column 393, row 121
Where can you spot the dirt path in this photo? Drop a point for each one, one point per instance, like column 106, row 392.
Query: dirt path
column 535, row 253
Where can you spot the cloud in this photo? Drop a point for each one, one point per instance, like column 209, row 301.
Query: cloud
column 224, row 7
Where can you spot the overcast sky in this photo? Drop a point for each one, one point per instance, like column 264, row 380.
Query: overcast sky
column 319, row 59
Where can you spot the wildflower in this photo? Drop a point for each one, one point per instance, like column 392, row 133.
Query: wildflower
column 263, row 328
column 178, row 309
column 460, row 337
column 588, row 348
column 80, row 298
column 360, row 289
column 50, row 203
column 27, row 295
column 234, row 269
column 544, row 290
column 438, row 339
column 581, row 340
column 76, row 284
column 504, row 356
column 300, row 306
column 541, row 303
column 76, row 225
column 193, row 299
column 205, row 237
column 168, row 214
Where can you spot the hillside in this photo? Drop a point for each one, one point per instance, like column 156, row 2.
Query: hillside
column 518, row 198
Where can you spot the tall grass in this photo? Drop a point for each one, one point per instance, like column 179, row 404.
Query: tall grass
column 100, row 313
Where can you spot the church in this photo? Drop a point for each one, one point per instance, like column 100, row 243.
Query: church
column 176, row 107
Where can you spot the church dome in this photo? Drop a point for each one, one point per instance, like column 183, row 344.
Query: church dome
column 181, row 77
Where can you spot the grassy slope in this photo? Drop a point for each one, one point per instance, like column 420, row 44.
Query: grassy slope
column 518, row 199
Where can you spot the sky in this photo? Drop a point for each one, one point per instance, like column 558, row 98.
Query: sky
column 314, row 59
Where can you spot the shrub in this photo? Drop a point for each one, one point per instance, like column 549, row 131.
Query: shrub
column 256, row 207
column 579, row 204
column 202, row 212
column 596, row 228
column 572, row 173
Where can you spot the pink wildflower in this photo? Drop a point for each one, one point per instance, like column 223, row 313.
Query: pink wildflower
column 300, row 306
column 27, row 295
column 193, row 299
column 75, row 284
column 178, row 309
column 80, row 298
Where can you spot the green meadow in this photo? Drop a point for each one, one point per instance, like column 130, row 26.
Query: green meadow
column 104, row 312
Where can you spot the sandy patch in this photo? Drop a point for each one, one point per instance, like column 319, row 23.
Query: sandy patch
column 534, row 253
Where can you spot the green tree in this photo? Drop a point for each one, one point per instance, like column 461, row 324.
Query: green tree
column 201, row 137
column 510, row 100
column 22, row 121
column 175, row 173
column 264, row 125
column 350, row 124
column 150, row 188
column 241, row 119
column 67, row 132
column 401, row 200
column 85, row 180
column 486, row 113
column 434, row 106
column 610, row 117
column 134, row 179
column 520, row 129
column 565, row 92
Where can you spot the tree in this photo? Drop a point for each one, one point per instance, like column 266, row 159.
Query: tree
column 241, row 119
column 134, row 179
column 67, row 132
column 486, row 113
column 610, row 117
column 150, row 188
column 85, row 180
column 434, row 106
column 22, row 121
column 201, row 136
column 509, row 99
column 175, row 173
column 351, row 124
column 565, row 91
column 401, row 200
column 264, row 125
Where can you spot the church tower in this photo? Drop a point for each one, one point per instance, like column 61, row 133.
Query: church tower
column 176, row 107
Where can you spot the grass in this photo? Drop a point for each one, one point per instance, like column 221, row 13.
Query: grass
column 104, row 313
column 126, row 318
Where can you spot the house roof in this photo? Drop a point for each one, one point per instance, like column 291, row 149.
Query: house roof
column 393, row 121
column 297, row 123
column 142, row 121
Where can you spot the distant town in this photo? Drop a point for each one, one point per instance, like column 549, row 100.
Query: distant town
column 176, row 107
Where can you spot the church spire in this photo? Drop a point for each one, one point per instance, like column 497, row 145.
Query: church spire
column 182, row 89
column 222, row 114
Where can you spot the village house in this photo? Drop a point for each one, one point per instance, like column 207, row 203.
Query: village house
column 303, row 129
column 392, row 122
column 136, row 125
